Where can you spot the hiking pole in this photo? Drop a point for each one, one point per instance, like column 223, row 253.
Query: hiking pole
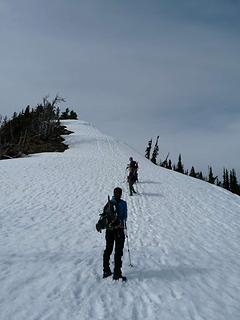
column 129, row 256
column 136, row 187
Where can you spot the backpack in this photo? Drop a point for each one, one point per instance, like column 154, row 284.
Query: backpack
column 134, row 165
column 108, row 218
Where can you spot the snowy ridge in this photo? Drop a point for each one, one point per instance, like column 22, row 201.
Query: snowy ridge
column 184, row 237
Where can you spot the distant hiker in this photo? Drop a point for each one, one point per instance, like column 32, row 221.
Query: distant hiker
column 133, row 175
column 131, row 181
column 132, row 164
column 114, row 234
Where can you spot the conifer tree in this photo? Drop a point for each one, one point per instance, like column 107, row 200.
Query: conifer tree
column 148, row 149
column 233, row 182
column 169, row 165
column 210, row 175
column 226, row 184
column 73, row 115
column 180, row 167
column 155, row 152
column 211, row 178
column 164, row 164
column 192, row 173
column 224, row 178
column 65, row 114
column 27, row 111
column 199, row 175
column 219, row 183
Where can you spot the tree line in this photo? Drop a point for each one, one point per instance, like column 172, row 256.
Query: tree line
column 228, row 182
column 35, row 129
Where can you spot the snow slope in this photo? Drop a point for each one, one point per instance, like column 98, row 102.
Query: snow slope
column 184, row 237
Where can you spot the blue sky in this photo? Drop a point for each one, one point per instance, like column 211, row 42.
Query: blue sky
column 135, row 69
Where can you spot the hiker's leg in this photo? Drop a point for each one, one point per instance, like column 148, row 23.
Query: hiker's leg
column 131, row 187
column 108, row 251
column 119, row 245
column 133, row 190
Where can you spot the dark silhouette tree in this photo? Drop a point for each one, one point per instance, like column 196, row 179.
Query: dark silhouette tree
column 226, row 183
column 169, row 165
column 233, row 182
column 211, row 178
column 180, row 167
column 73, row 115
column 200, row 175
column 67, row 114
column 155, row 152
column 148, row 149
column 27, row 111
column 165, row 162
column 192, row 173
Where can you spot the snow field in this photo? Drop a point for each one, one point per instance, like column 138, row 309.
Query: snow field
column 183, row 235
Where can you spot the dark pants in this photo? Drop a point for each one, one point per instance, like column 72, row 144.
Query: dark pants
column 131, row 189
column 114, row 236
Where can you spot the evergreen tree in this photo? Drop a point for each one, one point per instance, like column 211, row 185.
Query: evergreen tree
column 155, row 152
column 233, row 182
column 73, row 115
column 65, row 114
column 219, row 183
column 148, row 149
column 180, row 167
column 199, row 175
column 192, row 173
column 226, row 184
column 210, row 176
column 27, row 111
column 169, row 165
column 164, row 164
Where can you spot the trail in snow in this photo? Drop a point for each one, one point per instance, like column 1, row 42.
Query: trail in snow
column 183, row 234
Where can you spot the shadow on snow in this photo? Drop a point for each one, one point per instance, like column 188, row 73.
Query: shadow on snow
column 169, row 274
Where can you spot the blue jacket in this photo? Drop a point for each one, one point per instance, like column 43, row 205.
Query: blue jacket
column 121, row 207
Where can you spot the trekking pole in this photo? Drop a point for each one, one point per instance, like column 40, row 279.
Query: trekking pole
column 136, row 187
column 129, row 256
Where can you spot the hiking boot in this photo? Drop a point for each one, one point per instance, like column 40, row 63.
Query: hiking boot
column 107, row 274
column 119, row 276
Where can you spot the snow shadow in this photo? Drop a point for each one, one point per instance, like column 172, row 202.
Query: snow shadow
column 150, row 182
column 43, row 257
column 168, row 274
column 152, row 194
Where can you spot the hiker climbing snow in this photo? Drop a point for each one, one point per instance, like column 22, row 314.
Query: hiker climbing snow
column 132, row 175
column 113, row 219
